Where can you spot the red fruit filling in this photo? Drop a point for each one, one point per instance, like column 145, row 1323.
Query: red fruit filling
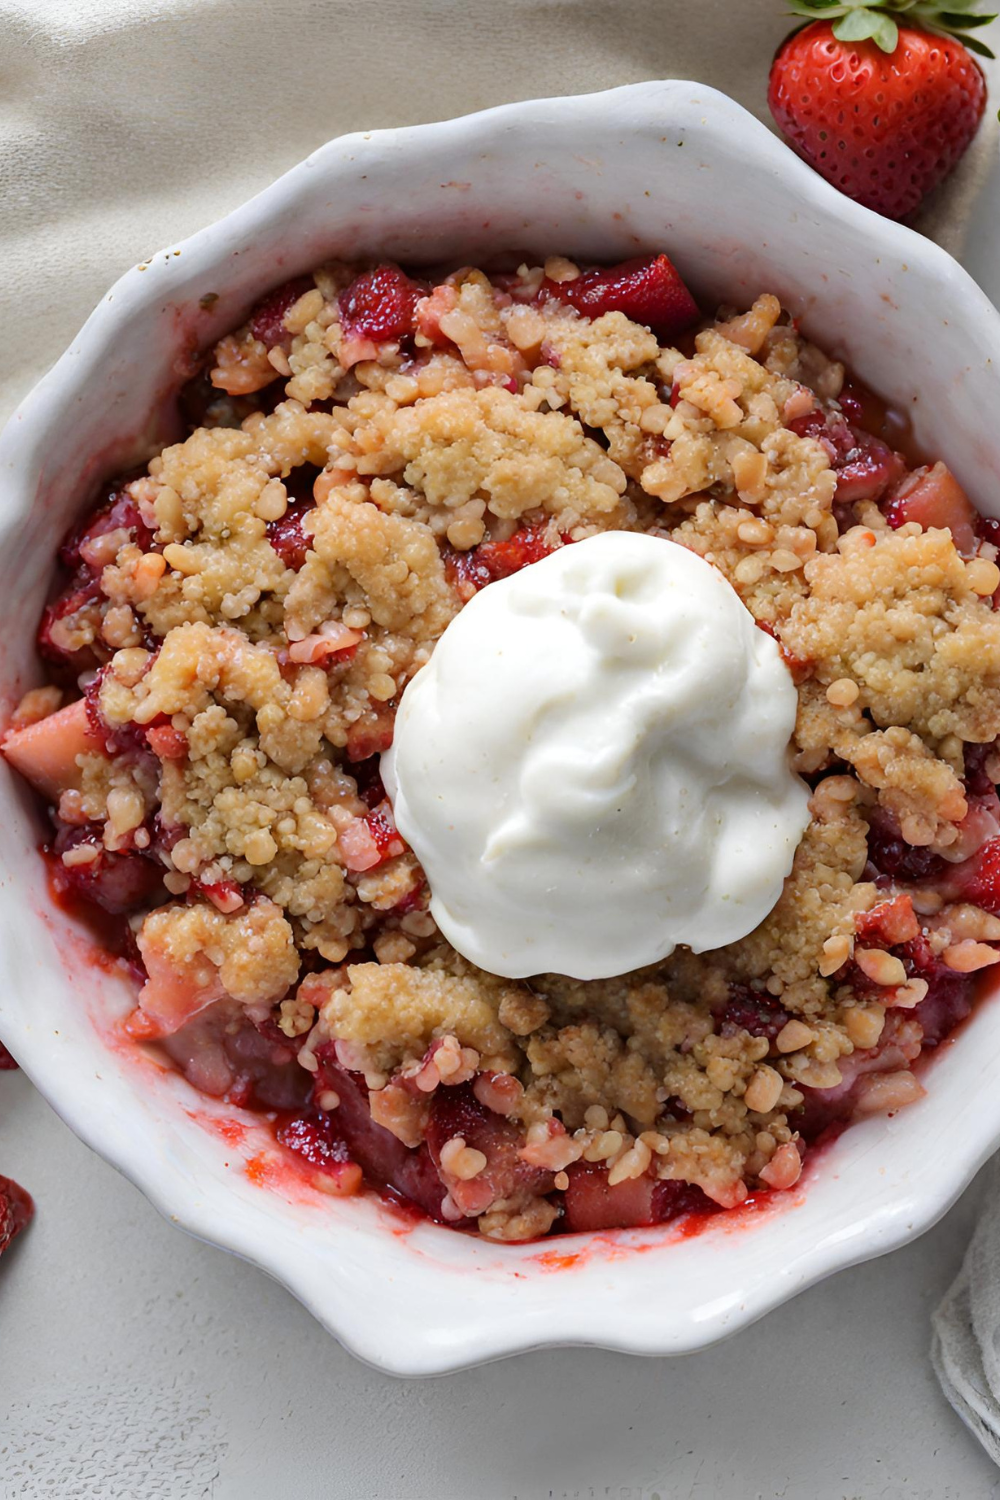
column 493, row 560
column 372, row 733
column 253, row 1064
column 119, row 512
column 866, row 467
column 977, row 880
column 891, row 857
column 949, row 995
column 83, row 555
column 380, row 305
column 384, row 1159
column 314, row 1138
column 6, row 1061
column 888, row 923
column 752, row 1011
column 267, row 321
column 382, row 827
column 591, row 1204
column 456, row 1112
column 288, row 537
column 70, row 602
column 116, row 882
column 648, row 290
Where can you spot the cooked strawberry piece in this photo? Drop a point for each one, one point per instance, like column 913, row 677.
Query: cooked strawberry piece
column 988, row 529
column 225, row 895
column 493, row 560
column 6, row 1061
column 865, row 466
column 371, row 734
column 590, row 1204
column 368, row 776
column 119, row 739
column 223, row 1053
column 16, row 1210
column 822, row 1108
column 872, row 469
column 863, row 409
column 978, row 782
column 82, row 594
column 288, row 536
column 949, row 995
column 934, row 497
column 314, row 1138
column 649, row 290
column 380, row 305
column 117, row 883
column 457, row 1112
column 752, row 1011
column 385, row 1160
column 977, row 880
column 166, row 742
column 831, row 431
column 119, row 512
column 382, row 826
column 888, row 923
column 267, row 321
column 892, row 856
column 45, row 752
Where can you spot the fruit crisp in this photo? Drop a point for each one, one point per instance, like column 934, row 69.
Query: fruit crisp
column 232, row 633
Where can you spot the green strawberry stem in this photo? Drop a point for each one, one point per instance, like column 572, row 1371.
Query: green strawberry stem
column 877, row 20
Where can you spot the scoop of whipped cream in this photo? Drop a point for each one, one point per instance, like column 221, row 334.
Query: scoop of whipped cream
column 593, row 766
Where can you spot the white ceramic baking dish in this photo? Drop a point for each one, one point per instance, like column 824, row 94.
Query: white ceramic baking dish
column 670, row 166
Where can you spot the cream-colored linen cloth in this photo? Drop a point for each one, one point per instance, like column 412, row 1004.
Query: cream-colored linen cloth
column 128, row 124
column 965, row 1346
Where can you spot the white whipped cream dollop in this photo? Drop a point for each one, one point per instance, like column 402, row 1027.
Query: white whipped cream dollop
column 593, row 766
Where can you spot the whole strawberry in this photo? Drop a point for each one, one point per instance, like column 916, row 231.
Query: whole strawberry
column 882, row 110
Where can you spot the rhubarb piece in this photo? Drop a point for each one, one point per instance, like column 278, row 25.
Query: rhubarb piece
column 591, row 1204
column 45, row 753
column 934, row 497
column 267, row 321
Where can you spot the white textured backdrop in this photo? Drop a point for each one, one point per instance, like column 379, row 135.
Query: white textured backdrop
column 136, row 1364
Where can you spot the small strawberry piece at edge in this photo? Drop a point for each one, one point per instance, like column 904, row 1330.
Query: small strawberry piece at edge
column 16, row 1210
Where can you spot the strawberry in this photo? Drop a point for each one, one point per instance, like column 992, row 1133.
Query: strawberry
column 380, row 305
column 16, row 1210
column 648, row 290
column 882, row 110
